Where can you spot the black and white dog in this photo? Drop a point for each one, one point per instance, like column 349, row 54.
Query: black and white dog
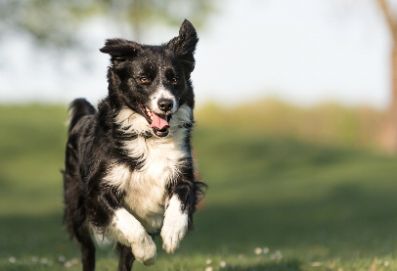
column 128, row 168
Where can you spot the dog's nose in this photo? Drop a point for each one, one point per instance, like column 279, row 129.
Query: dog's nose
column 165, row 104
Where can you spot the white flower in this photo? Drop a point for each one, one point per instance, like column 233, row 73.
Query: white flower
column 61, row 258
column 276, row 255
column 209, row 268
column 71, row 262
column 208, row 261
column 12, row 260
column 222, row 264
column 316, row 264
column 258, row 251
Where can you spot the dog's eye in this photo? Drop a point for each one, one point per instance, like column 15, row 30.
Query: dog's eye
column 119, row 58
column 174, row 80
column 144, row 80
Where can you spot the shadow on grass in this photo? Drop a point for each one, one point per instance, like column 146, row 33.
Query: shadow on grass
column 292, row 265
column 348, row 221
column 34, row 235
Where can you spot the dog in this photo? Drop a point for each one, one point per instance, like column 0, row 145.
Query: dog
column 129, row 172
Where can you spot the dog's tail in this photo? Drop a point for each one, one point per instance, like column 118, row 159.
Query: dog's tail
column 78, row 108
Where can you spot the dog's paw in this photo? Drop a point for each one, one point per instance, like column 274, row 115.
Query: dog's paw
column 173, row 230
column 144, row 249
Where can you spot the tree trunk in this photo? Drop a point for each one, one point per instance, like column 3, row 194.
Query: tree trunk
column 388, row 139
column 393, row 102
column 388, row 136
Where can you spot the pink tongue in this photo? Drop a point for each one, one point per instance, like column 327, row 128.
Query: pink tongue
column 158, row 122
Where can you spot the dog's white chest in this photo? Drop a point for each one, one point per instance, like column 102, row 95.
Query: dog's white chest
column 145, row 189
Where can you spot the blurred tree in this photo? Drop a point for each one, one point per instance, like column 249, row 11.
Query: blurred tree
column 389, row 133
column 54, row 22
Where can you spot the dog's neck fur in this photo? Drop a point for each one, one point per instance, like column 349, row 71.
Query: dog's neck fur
column 159, row 161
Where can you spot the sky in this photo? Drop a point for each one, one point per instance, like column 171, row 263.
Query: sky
column 305, row 52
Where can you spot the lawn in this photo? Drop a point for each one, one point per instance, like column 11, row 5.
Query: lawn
column 274, row 203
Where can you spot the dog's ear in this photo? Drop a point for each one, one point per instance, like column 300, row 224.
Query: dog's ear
column 184, row 45
column 120, row 48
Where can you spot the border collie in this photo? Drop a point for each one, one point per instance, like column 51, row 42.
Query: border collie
column 128, row 168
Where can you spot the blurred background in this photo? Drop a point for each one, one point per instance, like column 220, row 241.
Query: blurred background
column 296, row 128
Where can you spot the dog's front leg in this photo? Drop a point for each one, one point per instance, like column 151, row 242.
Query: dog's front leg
column 175, row 224
column 130, row 232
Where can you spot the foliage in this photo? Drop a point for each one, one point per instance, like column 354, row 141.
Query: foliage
column 54, row 22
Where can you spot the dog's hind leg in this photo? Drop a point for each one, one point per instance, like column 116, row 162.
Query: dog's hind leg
column 87, row 248
column 126, row 259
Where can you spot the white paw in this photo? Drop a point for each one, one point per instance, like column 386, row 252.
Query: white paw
column 174, row 229
column 129, row 231
column 144, row 249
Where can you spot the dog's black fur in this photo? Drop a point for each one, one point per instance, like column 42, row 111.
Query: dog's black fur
column 101, row 140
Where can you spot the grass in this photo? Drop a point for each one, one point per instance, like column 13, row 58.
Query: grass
column 315, row 206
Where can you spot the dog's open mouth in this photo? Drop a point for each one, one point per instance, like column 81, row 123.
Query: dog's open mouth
column 159, row 123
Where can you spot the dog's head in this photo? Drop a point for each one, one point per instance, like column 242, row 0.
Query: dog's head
column 154, row 81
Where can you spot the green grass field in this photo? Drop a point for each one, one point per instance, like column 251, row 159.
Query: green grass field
column 301, row 204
